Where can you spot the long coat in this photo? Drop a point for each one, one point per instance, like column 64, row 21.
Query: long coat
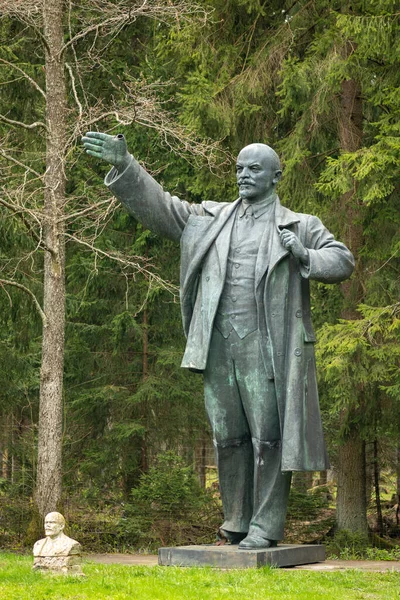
column 281, row 289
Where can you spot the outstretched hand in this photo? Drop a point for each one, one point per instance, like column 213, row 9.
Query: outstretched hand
column 111, row 148
column 291, row 242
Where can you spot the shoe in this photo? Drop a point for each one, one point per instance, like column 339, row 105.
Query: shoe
column 231, row 537
column 255, row 542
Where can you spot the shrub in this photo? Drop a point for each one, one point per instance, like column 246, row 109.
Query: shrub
column 304, row 506
column 169, row 507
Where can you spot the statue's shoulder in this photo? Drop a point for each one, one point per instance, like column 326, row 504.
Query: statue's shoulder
column 37, row 546
column 215, row 208
column 212, row 206
column 69, row 545
column 286, row 214
column 39, row 542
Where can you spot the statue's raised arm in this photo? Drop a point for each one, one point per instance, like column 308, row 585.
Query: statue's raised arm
column 141, row 195
column 110, row 148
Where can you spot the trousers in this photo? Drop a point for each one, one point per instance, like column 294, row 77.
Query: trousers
column 241, row 405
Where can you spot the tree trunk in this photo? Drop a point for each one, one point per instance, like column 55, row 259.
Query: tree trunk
column 398, row 486
column 145, row 373
column 5, row 442
column 13, row 457
column 379, row 517
column 4, row 463
column 351, row 494
column 351, row 505
column 369, row 471
column 49, row 468
column 201, row 460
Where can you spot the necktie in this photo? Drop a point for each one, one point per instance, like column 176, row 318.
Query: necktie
column 249, row 216
column 246, row 223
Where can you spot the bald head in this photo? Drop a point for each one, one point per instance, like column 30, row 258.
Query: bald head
column 54, row 524
column 264, row 151
column 258, row 170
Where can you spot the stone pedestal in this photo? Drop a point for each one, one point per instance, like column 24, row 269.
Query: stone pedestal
column 63, row 565
column 230, row 557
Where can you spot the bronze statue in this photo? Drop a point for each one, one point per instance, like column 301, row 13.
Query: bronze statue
column 245, row 271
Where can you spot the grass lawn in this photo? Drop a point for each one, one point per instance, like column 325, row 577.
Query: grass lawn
column 115, row 582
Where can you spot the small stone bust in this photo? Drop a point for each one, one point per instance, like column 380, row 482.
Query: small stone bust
column 57, row 552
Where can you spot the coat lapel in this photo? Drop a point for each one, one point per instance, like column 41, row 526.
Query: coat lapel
column 199, row 235
column 274, row 251
column 262, row 255
column 222, row 243
column 220, row 231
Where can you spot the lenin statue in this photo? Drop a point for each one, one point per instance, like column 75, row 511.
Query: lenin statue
column 245, row 300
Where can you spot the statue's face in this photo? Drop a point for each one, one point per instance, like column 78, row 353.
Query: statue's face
column 257, row 172
column 53, row 525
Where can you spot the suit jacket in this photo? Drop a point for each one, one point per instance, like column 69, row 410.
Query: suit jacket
column 282, row 292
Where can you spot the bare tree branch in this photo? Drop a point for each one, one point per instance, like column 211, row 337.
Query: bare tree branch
column 27, row 291
column 22, row 7
column 79, row 105
column 32, row 81
column 77, row 62
column 127, row 262
column 20, row 164
column 141, row 104
column 24, row 125
column 85, row 211
column 110, row 17
column 20, row 212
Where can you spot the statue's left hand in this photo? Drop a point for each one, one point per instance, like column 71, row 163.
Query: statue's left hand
column 111, row 148
column 291, row 242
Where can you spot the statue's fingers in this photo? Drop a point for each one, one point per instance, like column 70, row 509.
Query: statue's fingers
column 92, row 141
column 97, row 135
column 94, row 147
column 94, row 153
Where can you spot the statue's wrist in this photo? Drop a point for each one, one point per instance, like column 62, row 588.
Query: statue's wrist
column 124, row 163
column 305, row 259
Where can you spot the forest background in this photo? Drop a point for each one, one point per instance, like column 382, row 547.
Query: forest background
column 96, row 416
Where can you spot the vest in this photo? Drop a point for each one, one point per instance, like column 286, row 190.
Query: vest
column 237, row 307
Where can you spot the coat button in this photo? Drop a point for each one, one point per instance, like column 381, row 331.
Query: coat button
column 297, row 352
column 208, row 278
column 299, row 313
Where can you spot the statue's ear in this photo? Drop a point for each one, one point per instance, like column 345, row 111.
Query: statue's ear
column 278, row 175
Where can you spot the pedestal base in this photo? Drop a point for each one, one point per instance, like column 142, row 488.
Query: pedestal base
column 230, row 557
